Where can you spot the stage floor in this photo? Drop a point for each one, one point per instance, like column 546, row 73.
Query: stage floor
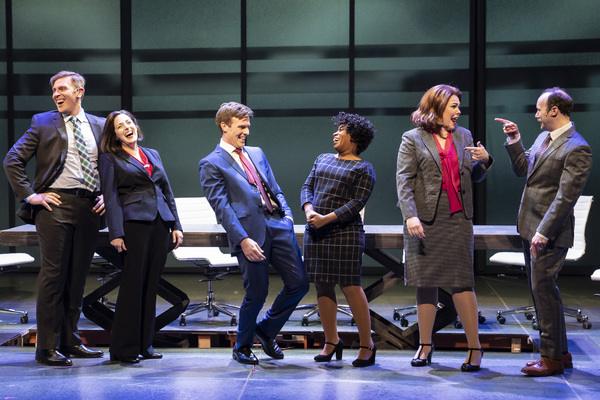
column 210, row 373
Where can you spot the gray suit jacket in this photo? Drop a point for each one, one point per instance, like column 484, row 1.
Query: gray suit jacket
column 553, row 185
column 419, row 173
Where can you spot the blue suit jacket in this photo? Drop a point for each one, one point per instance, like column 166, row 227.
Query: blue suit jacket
column 236, row 202
column 130, row 194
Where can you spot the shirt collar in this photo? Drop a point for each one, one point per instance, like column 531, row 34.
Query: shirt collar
column 227, row 147
column 81, row 116
column 555, row 134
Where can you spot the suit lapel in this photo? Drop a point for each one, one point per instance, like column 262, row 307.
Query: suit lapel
column 431, row 146
column 96, row 130
column 229, row 159
column 457, row 140
column 125, row 156
column 256, row 161
column 554, row 146
column 61, row 127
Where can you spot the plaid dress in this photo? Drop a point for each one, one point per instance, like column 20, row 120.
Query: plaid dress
column 333, row 253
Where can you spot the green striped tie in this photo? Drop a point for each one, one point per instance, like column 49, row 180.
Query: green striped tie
column 90, row 175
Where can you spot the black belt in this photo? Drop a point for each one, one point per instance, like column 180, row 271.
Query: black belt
column 81, row 193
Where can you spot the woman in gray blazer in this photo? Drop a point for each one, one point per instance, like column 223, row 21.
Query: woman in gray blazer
column 436, row 164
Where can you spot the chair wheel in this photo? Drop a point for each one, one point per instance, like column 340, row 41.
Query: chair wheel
column 215, row 313
column 501, row 319
column 396, row 316
column 24, row 319
column 457, row 324
column 304, row 321
column 535, row 326
column 182, row 322
column 233, row 322
column 582, row 319
column 404, row 322
column 481, row 319
column 587, row 325
column 352, row 322
column 529, row 316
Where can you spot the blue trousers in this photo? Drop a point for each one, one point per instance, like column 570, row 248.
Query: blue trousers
column 283, row 253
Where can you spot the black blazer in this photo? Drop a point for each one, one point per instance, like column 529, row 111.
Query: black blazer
column 46, row 139
column 130, row 194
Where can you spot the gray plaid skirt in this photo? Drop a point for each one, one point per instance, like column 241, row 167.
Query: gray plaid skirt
column 445, row 256
column 335, row 257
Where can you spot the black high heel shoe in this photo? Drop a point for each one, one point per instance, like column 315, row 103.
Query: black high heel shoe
column 468, row 367
column 418, row 362
column 369, row 361
column 339, row 348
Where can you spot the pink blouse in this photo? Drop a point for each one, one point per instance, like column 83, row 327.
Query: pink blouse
column 450, row 172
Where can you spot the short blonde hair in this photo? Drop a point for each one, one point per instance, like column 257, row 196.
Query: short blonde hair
column 77, row 80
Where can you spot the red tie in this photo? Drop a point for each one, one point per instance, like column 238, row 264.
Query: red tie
column 254, row 178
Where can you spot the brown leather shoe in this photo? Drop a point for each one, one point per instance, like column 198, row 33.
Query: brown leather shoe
column 567, row 361
column 545, row 367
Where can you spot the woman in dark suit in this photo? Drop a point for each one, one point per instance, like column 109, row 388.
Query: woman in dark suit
column 436, row 164
column 143, row 226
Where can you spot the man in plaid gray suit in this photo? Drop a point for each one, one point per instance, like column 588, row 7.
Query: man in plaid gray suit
column 556, row 168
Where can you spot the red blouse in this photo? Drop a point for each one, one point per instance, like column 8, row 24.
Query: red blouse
column 144, row 161
column 450, row 172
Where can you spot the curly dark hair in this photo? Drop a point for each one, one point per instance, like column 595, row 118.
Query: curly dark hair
column 361, row 130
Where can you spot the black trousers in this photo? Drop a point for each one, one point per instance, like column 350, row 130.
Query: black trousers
column 147, row 246
column 67, row 237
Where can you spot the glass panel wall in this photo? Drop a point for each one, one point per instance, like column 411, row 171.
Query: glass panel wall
column 541, row 45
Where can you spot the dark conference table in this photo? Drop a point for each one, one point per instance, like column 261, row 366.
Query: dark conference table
column 378, row 238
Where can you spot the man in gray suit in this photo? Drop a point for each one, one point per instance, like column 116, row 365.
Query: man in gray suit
column 556, row 168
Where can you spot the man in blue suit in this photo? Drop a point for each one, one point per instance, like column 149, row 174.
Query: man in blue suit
column 240, row 186
column 65, row 203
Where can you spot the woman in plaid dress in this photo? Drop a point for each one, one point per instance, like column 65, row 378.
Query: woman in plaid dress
column 436, row 164
column 333, row 195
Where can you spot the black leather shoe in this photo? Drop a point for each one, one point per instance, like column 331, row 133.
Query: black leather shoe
column 244, row 356
column 270, row 346
column 151, row 354
column 81, row 352
column 52, row 357
column 126, row 360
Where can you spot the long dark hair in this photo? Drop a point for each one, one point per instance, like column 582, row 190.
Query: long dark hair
column 110, row 143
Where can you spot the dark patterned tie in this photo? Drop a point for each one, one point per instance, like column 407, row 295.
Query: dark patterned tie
column 254, row 179
column 542, row 148
column 90, row 175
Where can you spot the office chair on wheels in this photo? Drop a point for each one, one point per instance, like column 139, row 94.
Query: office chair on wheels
column 213, row 263
column 581, row 212
column 10, row 262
